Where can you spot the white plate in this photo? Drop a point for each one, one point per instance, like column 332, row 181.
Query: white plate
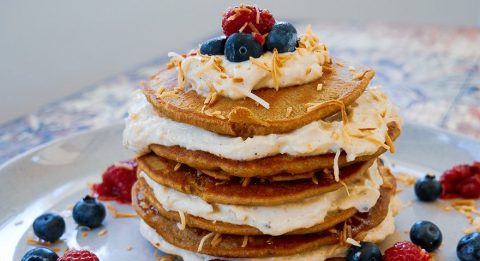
column 55, row 176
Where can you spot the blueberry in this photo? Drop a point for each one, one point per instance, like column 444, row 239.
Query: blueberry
column 89, row 212
column 468, row 248
column 240, row 46
column 214, row 46
column 282, row 37
column 40, row 254
column 428, row 189
column 49, row 227
column 366, row 251
column 426, row 235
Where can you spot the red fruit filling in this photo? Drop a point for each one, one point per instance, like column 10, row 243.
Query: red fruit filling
column 461, row 181
column 247, row 19
column 117, row 182
column 406, row 251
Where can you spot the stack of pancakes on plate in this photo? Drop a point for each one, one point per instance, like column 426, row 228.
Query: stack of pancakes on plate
column 213, row 199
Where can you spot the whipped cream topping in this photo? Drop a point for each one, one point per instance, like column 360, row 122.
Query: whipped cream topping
column 364, row 193
column 377, row 234
column 206, row 74
column 363, row 134
column 236, row 80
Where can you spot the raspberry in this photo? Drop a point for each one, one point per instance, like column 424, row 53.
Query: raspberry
column 406, row 251
column 461, row 181
column 239, row 17
column 78, row 255
column 117, row 182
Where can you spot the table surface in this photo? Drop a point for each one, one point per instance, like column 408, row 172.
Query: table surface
column 431, row 72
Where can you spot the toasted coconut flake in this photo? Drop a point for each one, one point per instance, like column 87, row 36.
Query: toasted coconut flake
column 340, row 63
column 358, row 76
column 345, row 186
column 243, row 27
column 245, row 241
column 254, row 97
column 177, row 166
column 214, row 98
column 367, row 129
column 319, row 87
column 289, row 111
column 379, row 143
column 160, row 90
column 210, row 63
column 245, row 182
column 315, row 106
column 336, row 169
column 237, row 79
column 260, row 64
column 31, row 241
column 233, row 16
column 207, row 99
column 308, row 70
column 353, row 242
column 390, row 143
column 217, row 239
column 183, row 223
column 253, row 28
column 102, row 232
column 351, row 68
column 314, row 179
column 117, row 214
column 202, row 241
column 275, row 70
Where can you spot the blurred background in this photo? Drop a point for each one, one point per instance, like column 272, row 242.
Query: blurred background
column 53, row 48
column 52, row 51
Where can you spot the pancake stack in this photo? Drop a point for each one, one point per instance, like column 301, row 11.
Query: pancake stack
column 229, row 179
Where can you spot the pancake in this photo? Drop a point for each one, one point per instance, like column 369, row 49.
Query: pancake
column 331, row 220
column 263, row 167
column 263, row 245
column 246, row 118
column 256, row 193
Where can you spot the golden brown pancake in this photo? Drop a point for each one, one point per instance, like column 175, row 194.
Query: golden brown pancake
column 263, row 167
column 262, row 246
column 331, row 220
column 256, row 193
column 244, row 117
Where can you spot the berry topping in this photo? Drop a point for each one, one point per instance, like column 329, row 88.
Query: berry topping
column 240, row 46
column 468, row 248
column 428, row 189
column 366, row 251
column 426, row 235
column 49, row 227
column 247, row 19
column 117, row 182
column 406, row 251
column 89, row 212
column 40, row 254
column 79, row 255
column 461, row 181
column 282, row 37
column 214, row 46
